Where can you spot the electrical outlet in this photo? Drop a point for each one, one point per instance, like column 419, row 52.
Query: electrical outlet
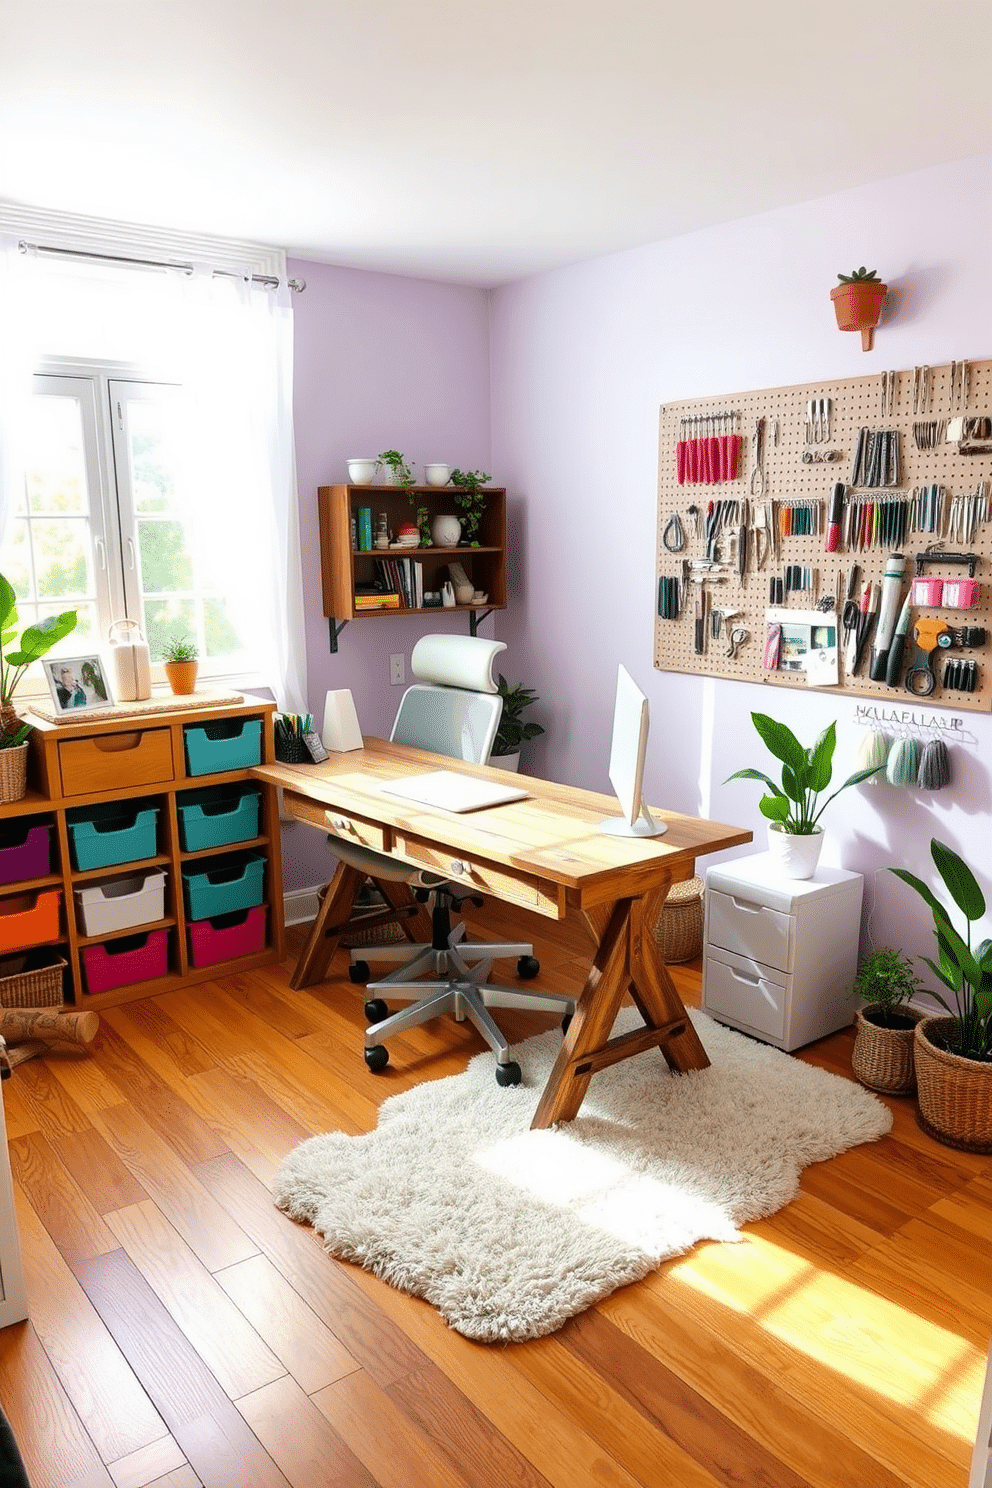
column 397, row 670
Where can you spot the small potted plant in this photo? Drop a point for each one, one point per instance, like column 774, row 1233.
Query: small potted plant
column 795, row 836
column 470, row 500
column 179, row 657
column 513, row 729
column 858, row 301
column 400, row 473
column 953, row 1054
column 35, row 641
column 882, row 1058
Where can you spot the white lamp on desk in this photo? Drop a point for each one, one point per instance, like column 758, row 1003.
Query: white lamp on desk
column 341, row 731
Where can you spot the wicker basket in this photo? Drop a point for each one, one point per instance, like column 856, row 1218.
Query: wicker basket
column 678, row 931
column 14, row 773
column 32, row 979
column 368, row 900
column 882, row 1059
column 954, row 1094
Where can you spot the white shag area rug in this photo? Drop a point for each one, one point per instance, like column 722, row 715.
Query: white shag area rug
column 509, row 1232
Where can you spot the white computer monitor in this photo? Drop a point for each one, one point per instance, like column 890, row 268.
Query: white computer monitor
column 627, row 754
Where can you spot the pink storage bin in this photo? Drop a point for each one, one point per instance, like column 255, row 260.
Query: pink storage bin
column 928, row 593
column 227, row 936
column 133, row 958
column 960, row 594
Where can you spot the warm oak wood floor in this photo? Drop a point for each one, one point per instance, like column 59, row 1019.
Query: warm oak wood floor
column 184, row 1332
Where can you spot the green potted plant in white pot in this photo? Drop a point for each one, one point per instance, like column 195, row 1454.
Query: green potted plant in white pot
column 35, row 642
column 514, row 729
column 882, row 1058
column 793, row 808
column 953, row 1053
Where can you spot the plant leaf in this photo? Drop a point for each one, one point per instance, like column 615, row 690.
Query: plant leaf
column 780, row 740
column 775, row 808
column 959, row 880
column 820, row 759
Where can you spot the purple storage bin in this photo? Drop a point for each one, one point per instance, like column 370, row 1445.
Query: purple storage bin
column 227, row 936
column 25, row 852
column 133, row 958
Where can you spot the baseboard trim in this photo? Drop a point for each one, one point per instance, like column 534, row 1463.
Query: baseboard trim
column 300, row 905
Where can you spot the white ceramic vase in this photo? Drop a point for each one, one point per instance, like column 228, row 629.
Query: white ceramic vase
column 445, row 531
column 794, row 856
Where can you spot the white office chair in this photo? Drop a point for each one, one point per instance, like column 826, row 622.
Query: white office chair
column 455, row 711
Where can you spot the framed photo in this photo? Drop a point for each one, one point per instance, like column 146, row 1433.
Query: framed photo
column 78, row 684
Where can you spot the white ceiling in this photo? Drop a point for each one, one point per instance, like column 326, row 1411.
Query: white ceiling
column 476, row 140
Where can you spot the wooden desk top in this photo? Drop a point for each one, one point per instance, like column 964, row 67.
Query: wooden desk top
column 553, row 834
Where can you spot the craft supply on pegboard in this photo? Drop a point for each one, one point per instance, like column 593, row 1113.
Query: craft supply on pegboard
column 787, row 506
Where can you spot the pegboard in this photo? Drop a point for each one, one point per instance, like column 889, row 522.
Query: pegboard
column 934, row 399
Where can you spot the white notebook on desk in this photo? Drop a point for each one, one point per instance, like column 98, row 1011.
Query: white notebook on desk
column 450, row 791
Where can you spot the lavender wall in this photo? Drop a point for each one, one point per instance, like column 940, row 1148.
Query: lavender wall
column 581, row 360
column 382, row 362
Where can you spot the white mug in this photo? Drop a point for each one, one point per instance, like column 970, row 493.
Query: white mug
column 436, row 475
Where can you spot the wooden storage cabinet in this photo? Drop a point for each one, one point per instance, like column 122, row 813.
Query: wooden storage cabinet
column 780, row 954
column 132, row 775
column 343, row 567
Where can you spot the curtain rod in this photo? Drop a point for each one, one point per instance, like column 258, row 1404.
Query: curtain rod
column 269, row 280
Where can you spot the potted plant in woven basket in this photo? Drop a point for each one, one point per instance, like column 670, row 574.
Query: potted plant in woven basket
column 882, row 1058
column 35, row 642
column 953, row 1054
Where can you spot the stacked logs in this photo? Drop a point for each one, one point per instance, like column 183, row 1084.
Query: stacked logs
column 25, row 1032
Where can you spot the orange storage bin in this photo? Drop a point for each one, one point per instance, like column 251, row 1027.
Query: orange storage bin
column 29, row 919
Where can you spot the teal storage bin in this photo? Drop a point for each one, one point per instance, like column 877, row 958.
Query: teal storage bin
column 115, row 832
column 226, row 744
column 218, row 815
column 220, row 885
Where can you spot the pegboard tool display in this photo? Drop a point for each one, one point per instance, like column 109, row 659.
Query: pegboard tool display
column 832, row 535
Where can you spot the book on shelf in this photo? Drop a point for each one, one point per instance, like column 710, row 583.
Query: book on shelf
column 377, row 601
column 365, row 529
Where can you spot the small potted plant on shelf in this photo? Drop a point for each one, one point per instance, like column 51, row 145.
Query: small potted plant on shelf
column 795, row 836
column 953, row 1054
column 470, row 500
column 513, row 729
column 858, row 301
column 399, row 471
column 882, row 1058
column 179, row 657
column 35, row 642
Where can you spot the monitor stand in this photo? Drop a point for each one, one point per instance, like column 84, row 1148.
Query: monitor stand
column 645, row 826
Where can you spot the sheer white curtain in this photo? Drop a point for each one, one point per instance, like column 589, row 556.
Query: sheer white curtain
column 229, row 342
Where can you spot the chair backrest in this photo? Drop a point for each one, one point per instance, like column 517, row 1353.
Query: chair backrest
column 457, row 711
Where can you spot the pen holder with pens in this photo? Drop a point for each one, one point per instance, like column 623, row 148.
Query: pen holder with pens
column 290, row 745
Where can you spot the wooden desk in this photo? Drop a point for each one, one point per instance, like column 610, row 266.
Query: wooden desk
column 545, row 853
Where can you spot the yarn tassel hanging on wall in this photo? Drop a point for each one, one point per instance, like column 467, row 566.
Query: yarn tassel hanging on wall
column 935, row 766
column 871, row 751
column 903, row 764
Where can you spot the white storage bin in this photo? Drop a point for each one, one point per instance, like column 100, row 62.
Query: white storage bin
column 119, row 903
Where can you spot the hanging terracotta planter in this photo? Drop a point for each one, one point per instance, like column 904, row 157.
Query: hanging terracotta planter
column 858, row 301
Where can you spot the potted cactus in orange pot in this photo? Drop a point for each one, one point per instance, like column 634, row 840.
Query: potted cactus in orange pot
column 858, row 301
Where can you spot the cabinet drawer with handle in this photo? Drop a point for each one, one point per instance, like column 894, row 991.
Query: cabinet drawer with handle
column 338, row 823
column 485, row 878
column 754, row 996
column 738, row 924
column 115, row 761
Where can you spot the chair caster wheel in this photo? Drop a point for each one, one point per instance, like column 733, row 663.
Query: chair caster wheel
column 527, row 967
column 377, row 1058
column 376, row 1010
column 507, row 1074
column 565, row 1022
column 359, row 971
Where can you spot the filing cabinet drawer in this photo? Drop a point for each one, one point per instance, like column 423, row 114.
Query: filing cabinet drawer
column 485, row 878
column 115, row 761
column 749, row 929
column 337, row 823
column 748, row 993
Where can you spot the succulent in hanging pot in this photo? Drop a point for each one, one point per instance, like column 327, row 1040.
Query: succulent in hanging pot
column 858, row 301
column 36, row 641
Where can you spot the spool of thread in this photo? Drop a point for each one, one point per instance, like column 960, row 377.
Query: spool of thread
column 935, row 766
column 903, row 764
column 872, row 751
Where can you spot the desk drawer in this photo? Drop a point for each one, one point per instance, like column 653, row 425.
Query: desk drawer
column 738, row 925
column 501, row 883
column 337, row 823
column 114, row 761
column 749, row 994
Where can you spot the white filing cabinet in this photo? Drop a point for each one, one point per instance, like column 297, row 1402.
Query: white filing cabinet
column 780, row 954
